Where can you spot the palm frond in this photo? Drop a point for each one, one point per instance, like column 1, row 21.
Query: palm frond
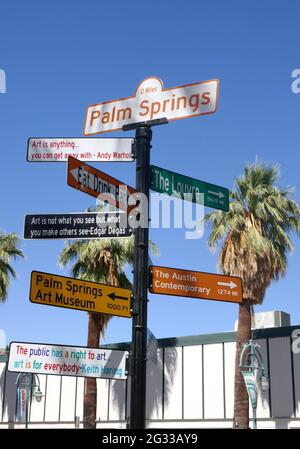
column 8, row 250
column 254, row 233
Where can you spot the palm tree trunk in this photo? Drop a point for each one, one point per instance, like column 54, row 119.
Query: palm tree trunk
column 241, row 400
column 90, row 383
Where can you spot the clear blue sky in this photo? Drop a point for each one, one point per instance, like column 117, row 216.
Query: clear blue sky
column 61, row 56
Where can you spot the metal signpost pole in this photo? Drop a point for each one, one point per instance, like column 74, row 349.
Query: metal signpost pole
column 140, row 287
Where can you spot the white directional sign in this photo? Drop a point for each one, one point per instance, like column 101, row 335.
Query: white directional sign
column 40, row 358
column 151, row 101
column 58, row 149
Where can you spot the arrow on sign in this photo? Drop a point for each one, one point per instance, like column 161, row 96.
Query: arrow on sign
column 219, row 194
column 113, row 296
column 228, row 284
column 75, row 174
column 84, row 175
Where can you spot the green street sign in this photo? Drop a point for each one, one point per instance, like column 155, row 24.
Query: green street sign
column 174, row 184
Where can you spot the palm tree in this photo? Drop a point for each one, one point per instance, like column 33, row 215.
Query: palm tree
column 101, row 261
column 8, row 250
column 255, row 236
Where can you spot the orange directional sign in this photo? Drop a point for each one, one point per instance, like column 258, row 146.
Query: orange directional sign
column 94, row 182
column 70, row 293
column 194, row 284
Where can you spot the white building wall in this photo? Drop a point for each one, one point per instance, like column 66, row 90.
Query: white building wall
column 229, row 361
column 52, row 398
column 117, row 400
column 172, row 383
column 67, row 399
column 192, row 382
column 103, row 393
column 213, row 381
column 37, row 411
column 154, row 387
column 79, row 397
column 192, row 385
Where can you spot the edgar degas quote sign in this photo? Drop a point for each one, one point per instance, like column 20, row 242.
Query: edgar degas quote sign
column 87, row 225
column 40, row 358
column 151, row 101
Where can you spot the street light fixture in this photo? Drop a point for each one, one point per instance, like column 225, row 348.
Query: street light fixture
column 37, row 394
column 253, row 370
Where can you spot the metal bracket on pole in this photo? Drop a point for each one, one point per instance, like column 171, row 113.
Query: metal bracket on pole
column 133, row 307
column 127, row 365
column 133, row 152
column 149, row 123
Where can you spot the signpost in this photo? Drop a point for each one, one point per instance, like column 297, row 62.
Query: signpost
column 138, row 360
column 58, row 149
column 150, row 105
column 174, row 184
column 94, row 182
column 88, row 225
column 70, row 293
column 151, row 101
column 41, row 358
column 195, row 284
